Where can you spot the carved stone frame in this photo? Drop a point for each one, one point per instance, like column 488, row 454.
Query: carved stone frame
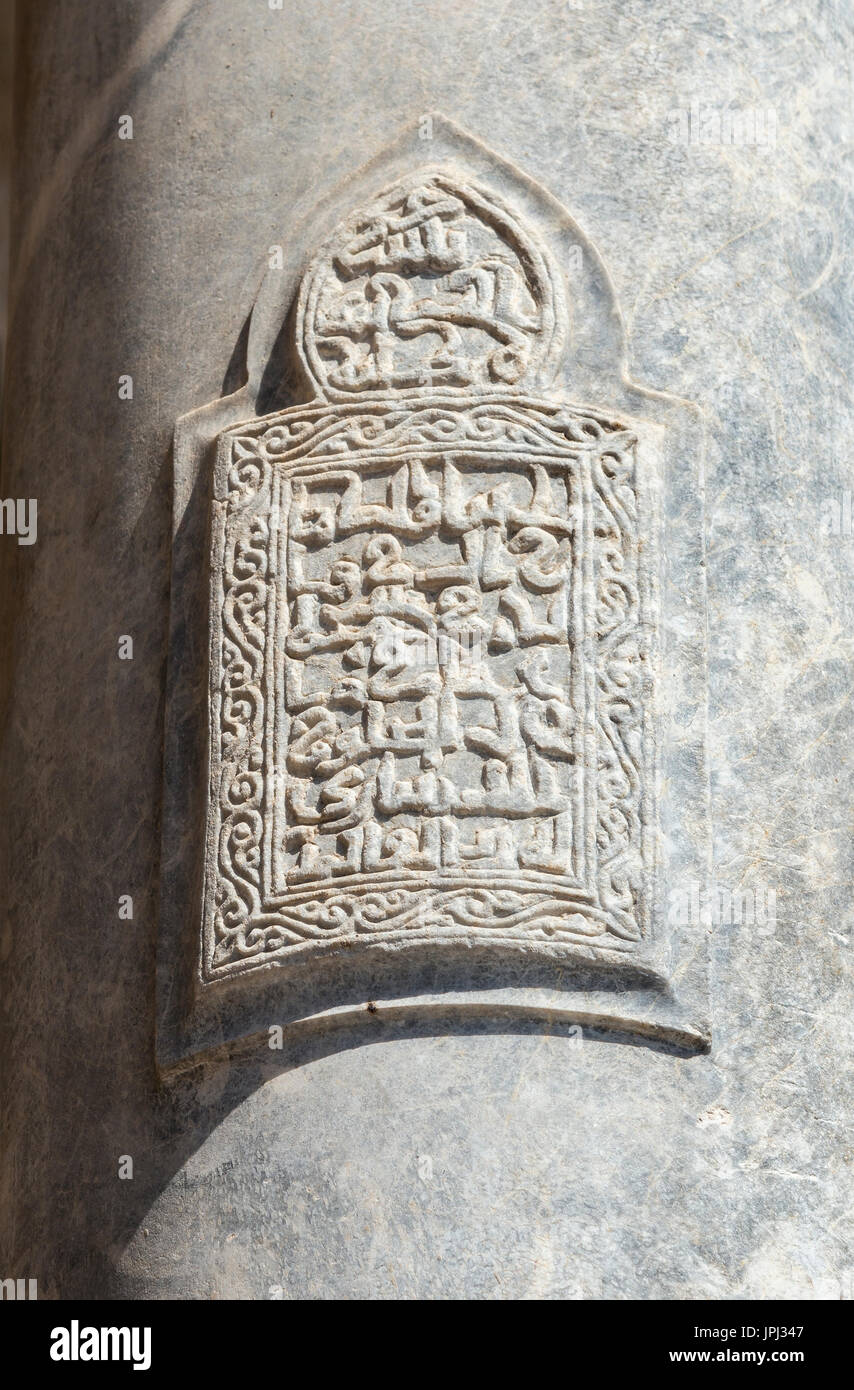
column 657, row 992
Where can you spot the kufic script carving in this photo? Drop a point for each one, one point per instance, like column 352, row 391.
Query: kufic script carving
column 430, row 637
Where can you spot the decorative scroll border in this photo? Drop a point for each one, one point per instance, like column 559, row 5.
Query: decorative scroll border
column 243, row 927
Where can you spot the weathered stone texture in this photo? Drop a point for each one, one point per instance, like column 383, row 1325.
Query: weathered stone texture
column 483, row 1159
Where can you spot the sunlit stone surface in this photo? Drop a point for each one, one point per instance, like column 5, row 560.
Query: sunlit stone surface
column 429, row 938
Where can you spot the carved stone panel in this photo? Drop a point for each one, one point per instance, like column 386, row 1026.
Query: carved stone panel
column 430, row 632
column 428, row 680
column 434, row 685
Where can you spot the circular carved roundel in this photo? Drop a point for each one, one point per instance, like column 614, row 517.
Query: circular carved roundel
column 436, row 284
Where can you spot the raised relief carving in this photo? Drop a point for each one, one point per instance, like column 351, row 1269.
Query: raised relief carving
column 430, row 663
column 436, row 285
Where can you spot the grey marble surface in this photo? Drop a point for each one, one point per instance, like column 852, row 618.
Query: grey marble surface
column 414, row 1163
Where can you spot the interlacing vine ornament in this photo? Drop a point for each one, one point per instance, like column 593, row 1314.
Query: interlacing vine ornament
column 429, row 643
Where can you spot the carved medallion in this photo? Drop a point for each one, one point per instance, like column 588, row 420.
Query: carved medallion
column 429, row 653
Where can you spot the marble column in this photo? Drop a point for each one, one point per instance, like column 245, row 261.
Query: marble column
column 592, row 1047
